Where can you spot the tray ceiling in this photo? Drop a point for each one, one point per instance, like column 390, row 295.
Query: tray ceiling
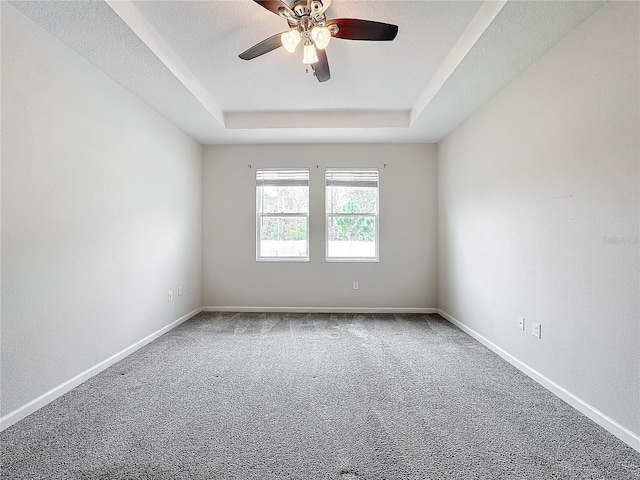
column 181, row 58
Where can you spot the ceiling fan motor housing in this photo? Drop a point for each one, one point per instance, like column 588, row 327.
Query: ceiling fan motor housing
column 301, row 9
column 305, row 13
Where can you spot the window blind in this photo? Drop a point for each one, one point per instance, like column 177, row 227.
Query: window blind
column 282, row 178
column 335, row 177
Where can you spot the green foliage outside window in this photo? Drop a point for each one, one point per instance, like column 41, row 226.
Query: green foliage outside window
column 354, row 228
column 299, row 233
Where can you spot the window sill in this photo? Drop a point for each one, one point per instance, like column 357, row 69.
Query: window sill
column 283, row 259
column 351, row 260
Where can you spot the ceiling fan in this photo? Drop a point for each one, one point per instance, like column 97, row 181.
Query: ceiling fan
column 309, row 26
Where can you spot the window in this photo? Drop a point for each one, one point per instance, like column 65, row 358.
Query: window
column 351, row 198
column 282, row 214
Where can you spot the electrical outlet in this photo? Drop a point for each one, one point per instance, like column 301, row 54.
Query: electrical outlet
column 521, row 323
column 536, row 329
column 170, row 295
column 355, row 285
column 179, row 291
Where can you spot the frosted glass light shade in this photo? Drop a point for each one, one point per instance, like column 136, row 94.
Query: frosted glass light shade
column 290, row 40
column 310, row 55
column 321, row 37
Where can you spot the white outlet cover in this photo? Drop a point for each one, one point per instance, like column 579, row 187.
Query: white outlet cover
column 536, row 329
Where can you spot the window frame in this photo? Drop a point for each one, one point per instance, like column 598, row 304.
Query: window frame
column 375, row 215
column 260, row 215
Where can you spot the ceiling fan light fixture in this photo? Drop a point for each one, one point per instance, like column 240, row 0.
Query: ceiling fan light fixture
column 290, row 40
column 310, row 55
column 308, row 25
column 321, row 36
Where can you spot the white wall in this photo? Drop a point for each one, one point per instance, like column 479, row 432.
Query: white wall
column 405, row 277
column 538, row 216
column 101, row 215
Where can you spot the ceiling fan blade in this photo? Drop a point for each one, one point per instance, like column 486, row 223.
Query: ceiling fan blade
column 276, row 6
column 263, row 47
column 271, row 5
column 321, row 67
column 355, row 29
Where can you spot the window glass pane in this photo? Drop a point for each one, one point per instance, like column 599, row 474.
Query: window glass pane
column 283, row 237
column 351, row 200
column 282, row 199
column 351, row 236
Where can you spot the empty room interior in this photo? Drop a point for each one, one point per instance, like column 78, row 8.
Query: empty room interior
column 403, row 245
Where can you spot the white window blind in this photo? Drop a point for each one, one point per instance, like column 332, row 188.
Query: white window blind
column 335, row 177
column 283, row 178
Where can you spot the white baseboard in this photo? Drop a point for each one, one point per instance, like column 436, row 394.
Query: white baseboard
column 320, row 309
column 613, row 427
column 39, row 402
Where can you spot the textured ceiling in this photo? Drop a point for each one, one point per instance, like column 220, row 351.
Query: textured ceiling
column 181, row 57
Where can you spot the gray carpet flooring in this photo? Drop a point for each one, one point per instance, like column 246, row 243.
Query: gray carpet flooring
column 312, row 396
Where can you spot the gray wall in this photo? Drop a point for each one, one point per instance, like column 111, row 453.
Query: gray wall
column 538, row 216
column 101, row 210
column 405, row 277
